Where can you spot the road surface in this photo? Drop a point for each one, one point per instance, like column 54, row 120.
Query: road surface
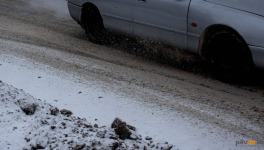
column 148, row 73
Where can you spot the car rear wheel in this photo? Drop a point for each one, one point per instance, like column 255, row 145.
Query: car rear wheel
column 227, row 56
column 93, row 25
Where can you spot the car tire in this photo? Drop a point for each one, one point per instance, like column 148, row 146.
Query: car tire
column 93, row 25
column 227, row 56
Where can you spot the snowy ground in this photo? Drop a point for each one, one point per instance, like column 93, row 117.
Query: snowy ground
column 28, row 123
column 90, row 99
column 47, row 54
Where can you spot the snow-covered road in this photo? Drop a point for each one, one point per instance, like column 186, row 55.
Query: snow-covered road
column 91, row 99
column 51, row 59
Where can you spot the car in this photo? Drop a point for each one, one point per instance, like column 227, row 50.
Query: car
column 228, row 33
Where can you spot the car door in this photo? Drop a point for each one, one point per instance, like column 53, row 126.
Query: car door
column 116, row 14
column 164, row 20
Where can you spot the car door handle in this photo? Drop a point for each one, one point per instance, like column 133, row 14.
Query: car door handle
column 142, row 1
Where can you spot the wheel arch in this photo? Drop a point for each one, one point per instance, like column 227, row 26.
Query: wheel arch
column 91, row 6
column 211, row 30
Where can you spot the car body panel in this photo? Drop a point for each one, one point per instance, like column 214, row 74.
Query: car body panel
column 170, row 20
column 167, row 23
column 117, row 14
column 75, row 12
column 257, row 56
column 248, row 25
column 252, row 6
column 77, row 2
column 193, row 41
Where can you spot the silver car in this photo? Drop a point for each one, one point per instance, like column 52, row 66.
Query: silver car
column 228, row 33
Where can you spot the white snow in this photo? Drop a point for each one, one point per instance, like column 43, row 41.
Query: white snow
column 45, row 129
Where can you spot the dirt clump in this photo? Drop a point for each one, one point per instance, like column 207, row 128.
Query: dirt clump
column 54, row 111
column 28, row 108
column 123, row 130
column 66, row 112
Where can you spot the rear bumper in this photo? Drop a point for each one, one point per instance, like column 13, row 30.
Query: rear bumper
column 258, row 56
column 75, row 12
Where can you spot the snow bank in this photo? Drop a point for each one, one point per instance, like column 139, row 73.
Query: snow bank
column 27, row 123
